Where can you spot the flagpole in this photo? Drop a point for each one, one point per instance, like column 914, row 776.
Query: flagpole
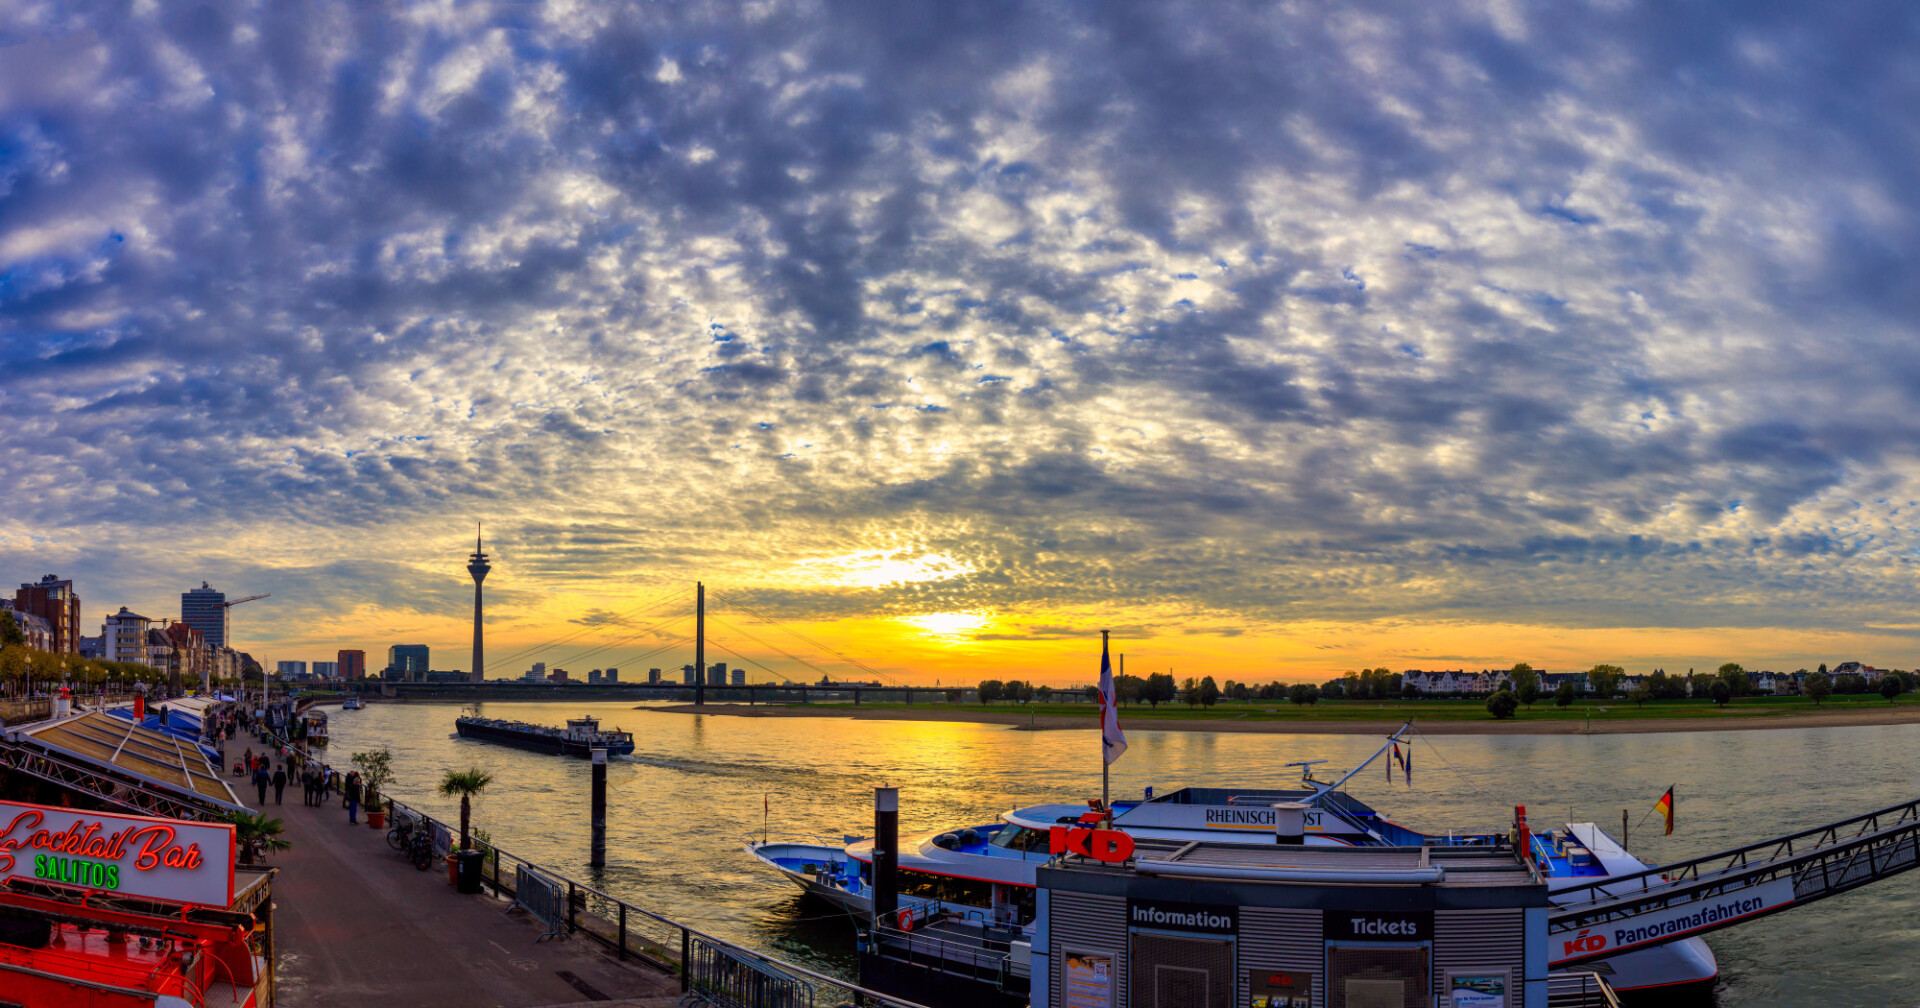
column 1105, row 801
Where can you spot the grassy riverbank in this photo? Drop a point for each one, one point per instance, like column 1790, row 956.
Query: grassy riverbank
column 1345, row 716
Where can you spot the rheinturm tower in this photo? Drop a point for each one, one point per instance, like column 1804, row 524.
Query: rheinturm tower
column 478, row 566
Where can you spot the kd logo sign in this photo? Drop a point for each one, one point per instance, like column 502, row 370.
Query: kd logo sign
column 1099, row 844
column 1584, row 942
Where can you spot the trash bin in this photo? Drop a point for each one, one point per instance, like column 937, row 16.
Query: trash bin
column 467, row 866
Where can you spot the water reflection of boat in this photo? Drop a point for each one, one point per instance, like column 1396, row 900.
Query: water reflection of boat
column 985, row 873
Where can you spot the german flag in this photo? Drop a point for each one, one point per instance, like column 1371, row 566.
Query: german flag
column 1665, row 807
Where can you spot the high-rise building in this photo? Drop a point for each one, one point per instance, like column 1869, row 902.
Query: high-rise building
column 717, row 674
column 653, row 677
column 326, row 669
column 407, row 662
column 688, row 674
column 478, row 566
column 52, row 599
column 353, row 664
column 594, row 676
column 739, row 677
column 613, row 675
column 291, row 669
column 205, row 610
column 126, row 636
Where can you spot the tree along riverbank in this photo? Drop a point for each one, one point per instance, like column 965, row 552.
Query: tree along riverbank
column 1435, row 717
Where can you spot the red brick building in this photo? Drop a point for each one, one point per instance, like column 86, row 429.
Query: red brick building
column 351, row 664
column 53, row 600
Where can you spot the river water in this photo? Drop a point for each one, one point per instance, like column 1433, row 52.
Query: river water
column 698, row 786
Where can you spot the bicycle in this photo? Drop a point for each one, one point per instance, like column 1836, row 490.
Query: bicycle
column 401, row 831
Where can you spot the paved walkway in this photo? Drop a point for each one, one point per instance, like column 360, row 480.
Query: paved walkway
column 355, row 924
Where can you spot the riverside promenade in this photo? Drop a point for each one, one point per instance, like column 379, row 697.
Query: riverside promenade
column 355, row 924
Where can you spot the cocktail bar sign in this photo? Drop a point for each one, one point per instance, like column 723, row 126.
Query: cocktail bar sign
column 161, row 859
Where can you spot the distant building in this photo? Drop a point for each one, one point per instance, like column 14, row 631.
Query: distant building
column 688, row 675
column 653, row 677
column 408, row 662
column 559, row 675
column 739, row 677
column 126, row 636
column 291, row 669
column 326, row 669
column 52, row 599
column 444, row 676
column 612, row 676
column 353, row 664
column 38, row 631
column 538, row 673
column 205, row 610
column 594, row 676
column 93, row 647
column 717, row 674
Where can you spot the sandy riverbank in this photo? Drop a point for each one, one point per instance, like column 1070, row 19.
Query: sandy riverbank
column 1610, row 725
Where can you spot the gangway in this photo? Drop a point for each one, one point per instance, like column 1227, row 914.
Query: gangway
column 1687, row 898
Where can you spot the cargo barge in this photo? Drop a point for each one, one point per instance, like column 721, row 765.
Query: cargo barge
column 579, row 738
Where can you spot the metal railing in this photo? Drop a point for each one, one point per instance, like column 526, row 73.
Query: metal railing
column 960, row 955
column 633, row 933
column 1580, row 989
column 1821, row 862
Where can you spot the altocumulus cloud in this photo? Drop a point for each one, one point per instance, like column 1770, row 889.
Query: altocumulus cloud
column 1569, row 313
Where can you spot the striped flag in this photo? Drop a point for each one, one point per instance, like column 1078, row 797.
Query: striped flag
column 1665, row 807
column 1113, row 742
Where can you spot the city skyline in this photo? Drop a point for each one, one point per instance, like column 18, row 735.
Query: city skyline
column 1283, row 342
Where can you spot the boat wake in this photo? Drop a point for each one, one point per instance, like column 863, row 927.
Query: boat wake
column 756, row 771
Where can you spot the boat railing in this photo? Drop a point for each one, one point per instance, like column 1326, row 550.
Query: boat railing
column 934, row 948
column 635, row 933
column 837, row 841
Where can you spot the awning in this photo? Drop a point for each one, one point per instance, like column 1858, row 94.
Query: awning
column 153, row 758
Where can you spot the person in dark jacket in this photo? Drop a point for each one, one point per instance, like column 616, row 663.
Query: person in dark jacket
column 260, row 780
column 279, row 784
column 353, row 798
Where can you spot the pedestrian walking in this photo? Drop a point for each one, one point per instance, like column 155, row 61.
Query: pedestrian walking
column 260, row 780
column 306, row 785
column 279, row 784
column 353, row 798
column 326, row 781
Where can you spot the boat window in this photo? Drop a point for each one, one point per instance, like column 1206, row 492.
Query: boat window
column 945, row 888
column 1020, row 838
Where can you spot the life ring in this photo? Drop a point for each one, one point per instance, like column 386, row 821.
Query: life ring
column 906, row 919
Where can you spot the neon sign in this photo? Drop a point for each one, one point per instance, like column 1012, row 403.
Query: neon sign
column 163, row 859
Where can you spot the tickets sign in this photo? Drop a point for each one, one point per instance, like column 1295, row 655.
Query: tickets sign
column 161, row 859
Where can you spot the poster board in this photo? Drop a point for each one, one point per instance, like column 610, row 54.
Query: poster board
column 1484, row 989
column 1087, row 979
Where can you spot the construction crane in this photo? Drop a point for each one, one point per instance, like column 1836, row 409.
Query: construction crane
column 249, row 598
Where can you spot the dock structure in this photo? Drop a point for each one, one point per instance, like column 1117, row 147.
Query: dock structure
column 357, row 924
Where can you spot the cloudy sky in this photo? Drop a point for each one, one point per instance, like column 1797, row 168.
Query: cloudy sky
column 1282, row 338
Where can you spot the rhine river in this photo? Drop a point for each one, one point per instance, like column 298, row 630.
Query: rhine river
column 696, row 786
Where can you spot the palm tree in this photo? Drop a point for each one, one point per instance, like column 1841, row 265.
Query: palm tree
column 466, row 784
column 256, row 835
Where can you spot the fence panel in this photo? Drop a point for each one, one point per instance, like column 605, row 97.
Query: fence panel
column 733, row 981
column 542, row 898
